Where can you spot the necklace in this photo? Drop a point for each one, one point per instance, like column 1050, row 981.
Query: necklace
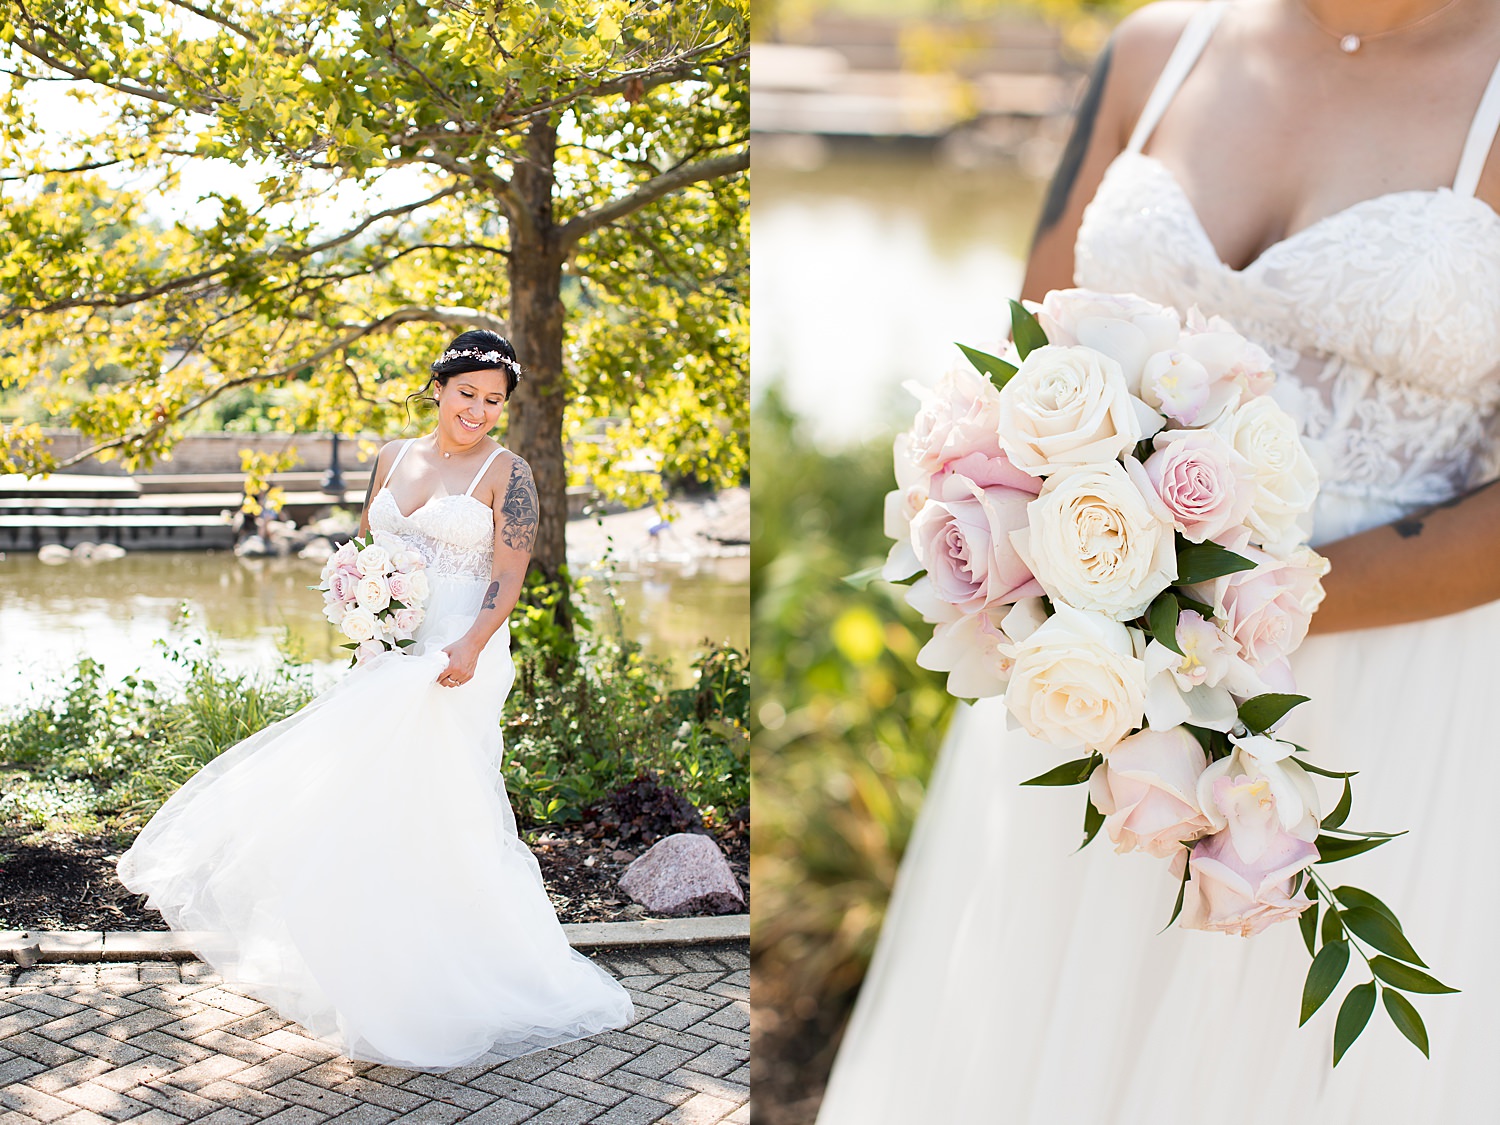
column 1349, row 42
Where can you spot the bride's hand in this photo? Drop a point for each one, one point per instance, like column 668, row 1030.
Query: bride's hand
column 463, row 658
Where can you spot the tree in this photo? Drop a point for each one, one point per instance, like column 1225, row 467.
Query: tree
column 567, row 172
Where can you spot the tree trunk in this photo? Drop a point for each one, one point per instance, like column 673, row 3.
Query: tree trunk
column 535, row 427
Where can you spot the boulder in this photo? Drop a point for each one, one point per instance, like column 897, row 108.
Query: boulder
column 684, row 874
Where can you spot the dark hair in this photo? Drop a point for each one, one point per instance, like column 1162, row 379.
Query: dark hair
column 482, row 347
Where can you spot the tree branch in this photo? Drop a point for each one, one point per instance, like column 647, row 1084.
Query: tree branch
column 214, row 17
column 123, row 87
column 649, row 192
column 63, row 171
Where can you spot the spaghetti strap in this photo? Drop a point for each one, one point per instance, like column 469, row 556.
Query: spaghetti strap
column 400, row 453
column 1189, row 46
column 488, row 461
column 1480, row 139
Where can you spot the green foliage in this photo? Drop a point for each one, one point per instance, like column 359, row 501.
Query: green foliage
column 845, row 725
column 96, row 756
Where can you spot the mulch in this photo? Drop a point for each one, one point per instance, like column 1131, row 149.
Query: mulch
column 68, row 882
column 793, row 1040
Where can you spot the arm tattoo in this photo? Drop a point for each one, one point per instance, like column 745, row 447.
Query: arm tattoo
column 519, row 508
column 490, row 595
column 1409, row 527
column 1072, row 157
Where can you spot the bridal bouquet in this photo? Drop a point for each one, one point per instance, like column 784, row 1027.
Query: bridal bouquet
column 1110, row 531
column 374, row 590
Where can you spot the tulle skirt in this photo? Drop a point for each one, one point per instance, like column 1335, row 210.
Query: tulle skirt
column 356, row 866
column 1018, row 980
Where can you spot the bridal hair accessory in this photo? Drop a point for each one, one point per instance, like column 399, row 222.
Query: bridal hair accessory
column 1349, row 42
column 1112, row 536
column 485, row 357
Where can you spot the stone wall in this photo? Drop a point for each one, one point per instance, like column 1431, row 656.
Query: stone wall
column 220, row 453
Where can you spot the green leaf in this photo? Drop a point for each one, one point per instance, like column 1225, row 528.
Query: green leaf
column 1404, row 1015
column 1342, row 831
column 1340, row 810
column 1265, row 711
column 1333, row 929
column 1069, row 773
column 1308, row 921
column 1405, row 977
column 1331, row 849
column 1025, row 330
column 1202, row 609
column 999, row 370
column 1375, row 928
column 862, row 578
column 1323, row 976
column 1162, row 617
column 1204, row 736
column 1181, row 890
column 1353, row 1015
column 1093, row 820
column 1203, row 562
column 1353, row 896
column 1319, row 770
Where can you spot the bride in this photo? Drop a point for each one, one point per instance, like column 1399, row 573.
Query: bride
column 1318, row 173
column 356, row 865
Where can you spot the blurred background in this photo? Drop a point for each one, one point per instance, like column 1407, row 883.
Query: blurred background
column 901, row 152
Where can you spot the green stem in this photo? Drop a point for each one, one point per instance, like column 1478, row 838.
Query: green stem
column 1330, row 897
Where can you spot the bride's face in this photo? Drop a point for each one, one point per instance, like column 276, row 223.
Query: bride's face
column 469, row 405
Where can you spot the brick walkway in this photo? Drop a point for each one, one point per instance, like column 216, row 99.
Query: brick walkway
column 156, row 1043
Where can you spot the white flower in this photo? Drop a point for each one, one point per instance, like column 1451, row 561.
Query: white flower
column 974, row 651
column 1201, row 685
column 373, row 593
column 367, row 650
column 901, row 507
column 1099, row 538
column 1126, row 328
column 416, row 584
column 1256, row 790
column 374, row 559
column 962, row 538
column 957, row 417
column 407, row 560
column 1286, row 482
column 1065, row 407
column 1077, row 681
column 1148, row 792
column 359, row 625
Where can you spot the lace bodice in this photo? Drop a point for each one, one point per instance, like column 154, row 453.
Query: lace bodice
column 1381, row 318
column 454, row 534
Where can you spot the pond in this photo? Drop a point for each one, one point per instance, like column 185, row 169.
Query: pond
column 118, row 611
column 867, row 269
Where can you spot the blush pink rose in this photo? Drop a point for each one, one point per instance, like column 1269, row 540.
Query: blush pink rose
column 958, row 417
column 1147, row 790
column 1231, row 895
column 1126, row 328
column 400, row 587
column 368, row 649
column 961, row 537
column 1203, row 482
column 406, row 621
column 1267, row 610
column 343, row 583
column 1228, row 357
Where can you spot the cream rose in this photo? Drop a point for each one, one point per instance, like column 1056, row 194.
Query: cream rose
column 1204, row 483
column 1077, row 681
column 1066, row 407
column 961, row 537
column 417, row 586
column 1099, row 538
column 1126, row 328
column 1148, row 792
column 359, row 625
column 374, row 559
column 373, row 593
column 1286, row 481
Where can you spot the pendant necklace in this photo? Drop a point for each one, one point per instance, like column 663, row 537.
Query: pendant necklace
column 1350, row 42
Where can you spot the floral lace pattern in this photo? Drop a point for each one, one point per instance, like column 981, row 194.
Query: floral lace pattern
column 1380, row 318
column 456, row 539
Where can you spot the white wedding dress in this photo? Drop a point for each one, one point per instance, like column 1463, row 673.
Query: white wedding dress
column 356, row 865
column 1017, row 981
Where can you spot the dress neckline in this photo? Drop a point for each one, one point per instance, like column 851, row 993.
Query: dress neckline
column 469, row 492
column 386, row 491
column 1202, row 234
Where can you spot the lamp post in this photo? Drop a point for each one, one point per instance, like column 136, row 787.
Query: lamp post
column 333, row 479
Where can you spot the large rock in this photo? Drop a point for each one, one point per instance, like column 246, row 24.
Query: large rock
column 684, row 874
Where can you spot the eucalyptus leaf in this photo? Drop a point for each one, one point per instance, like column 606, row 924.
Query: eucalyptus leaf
column 1406, row 978
column 1376, row 929
column 1340, row 810
column 1331, row 849
column 998, row 370
column 1069, row 773
column 1265, row 711
column 1162, row 617
column 1354, row 1014
column 1323, row 976
column 1404, row 1015
column 1025, row 330
column 1203, row 562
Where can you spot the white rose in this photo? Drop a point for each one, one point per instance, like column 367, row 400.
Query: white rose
column 368, row 650
column 1126, row 328
column 1286, row 481
column 374, row 559
column 416, row 584
column 373, row 593
column 1077, row 681
column 408, row 560
column 1099, row 538
column 359, row 625
column 392, row 542
column 1065, row 407
column 901, row 507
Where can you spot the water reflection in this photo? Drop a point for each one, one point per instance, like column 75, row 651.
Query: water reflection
column 868, row 268
column 117, row 611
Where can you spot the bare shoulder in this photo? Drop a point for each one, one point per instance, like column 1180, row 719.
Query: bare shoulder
column 515, row 501
column 1140, row 47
